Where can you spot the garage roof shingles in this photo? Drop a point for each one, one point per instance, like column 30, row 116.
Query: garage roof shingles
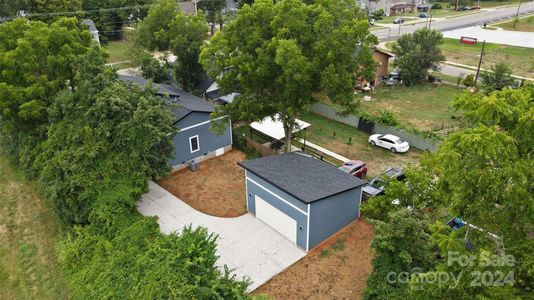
column 302, row 176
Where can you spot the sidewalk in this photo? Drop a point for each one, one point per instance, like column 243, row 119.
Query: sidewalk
column 325, row 151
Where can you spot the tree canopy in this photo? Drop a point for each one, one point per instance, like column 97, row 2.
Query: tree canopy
column 167, row 28
column 417, row 53
column 483, row 174
column 279, row 54
column 37, row 61
column 11, row 7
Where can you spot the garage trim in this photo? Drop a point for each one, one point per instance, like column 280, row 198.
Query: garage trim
column 278, row 197
column 308, row 230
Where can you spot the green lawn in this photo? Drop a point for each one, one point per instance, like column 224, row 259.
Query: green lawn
column 28, row 233
column 352, row 143
column 423, row 107
column 118, row 51
column 523, row 24
column 520, row 59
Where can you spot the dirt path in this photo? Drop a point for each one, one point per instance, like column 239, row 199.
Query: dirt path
column 336, row 269
column 217, row 188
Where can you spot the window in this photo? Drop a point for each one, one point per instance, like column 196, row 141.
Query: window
column 193, row 144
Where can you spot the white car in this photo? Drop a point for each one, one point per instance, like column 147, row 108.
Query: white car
column 390, row 142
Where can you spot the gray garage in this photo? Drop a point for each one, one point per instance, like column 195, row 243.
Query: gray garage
column 303, row 198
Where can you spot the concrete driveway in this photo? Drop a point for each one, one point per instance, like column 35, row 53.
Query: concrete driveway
column 246, row 245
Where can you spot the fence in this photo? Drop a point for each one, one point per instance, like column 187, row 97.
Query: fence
column 262, row 149
column 328, row 112
column 417, row 141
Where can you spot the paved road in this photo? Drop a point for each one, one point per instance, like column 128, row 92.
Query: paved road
column 489, row 16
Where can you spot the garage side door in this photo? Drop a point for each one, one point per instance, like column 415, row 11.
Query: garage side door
column 273, row 217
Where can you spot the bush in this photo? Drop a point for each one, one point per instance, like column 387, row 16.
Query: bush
column 469, row 80
column 437, row 6
column 241, row 144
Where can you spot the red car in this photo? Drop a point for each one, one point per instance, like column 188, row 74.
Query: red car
column 355, row 168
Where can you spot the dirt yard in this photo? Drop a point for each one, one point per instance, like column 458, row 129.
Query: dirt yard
column 217, row 188
column 336, row 269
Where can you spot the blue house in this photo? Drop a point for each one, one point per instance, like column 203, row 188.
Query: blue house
column 303, row 198
column 195, row 141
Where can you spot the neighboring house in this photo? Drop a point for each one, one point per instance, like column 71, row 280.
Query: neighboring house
column 401, row 8
column 303, row 198
column 213, row 94
column 195, row 141
column 92, row 29
column 391, row 7
column 382, row 61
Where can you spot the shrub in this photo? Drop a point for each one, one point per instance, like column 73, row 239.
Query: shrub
column 469, row 80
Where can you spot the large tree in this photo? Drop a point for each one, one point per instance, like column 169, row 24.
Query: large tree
column 279, row 55
column 36, row 62
column 188, row 34
column 102, row 127
column 417, row 53
column 154, row 30
column 213, row 11
column 167, row 28
column 10, row 8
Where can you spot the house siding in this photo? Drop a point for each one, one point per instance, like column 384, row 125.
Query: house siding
column 209, row 141
column 297, row 212
column 329, row 215
column 382, row 61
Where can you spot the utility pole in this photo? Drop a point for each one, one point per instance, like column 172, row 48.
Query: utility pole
column 480, row 62
column 430, row 22
column 517, row 14
column 400, row 23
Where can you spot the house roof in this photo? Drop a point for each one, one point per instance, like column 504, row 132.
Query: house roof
column 383, row 52
column 302, row 176
column 401, row 6
column 188, row 102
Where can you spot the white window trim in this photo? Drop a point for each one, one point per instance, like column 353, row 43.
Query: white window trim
column 191, row 144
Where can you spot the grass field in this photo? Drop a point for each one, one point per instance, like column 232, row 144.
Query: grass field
column 118, row 51
column 520, row 59
column 423, row 107
column 523, row 24
column 28, row 232
column 352, row 143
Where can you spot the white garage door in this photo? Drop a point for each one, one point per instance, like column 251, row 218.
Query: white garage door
column 276, row 219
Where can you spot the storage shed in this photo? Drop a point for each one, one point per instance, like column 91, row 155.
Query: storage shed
column 303, row 198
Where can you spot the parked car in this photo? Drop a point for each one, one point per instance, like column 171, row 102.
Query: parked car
column 378, row 184
column 390, row 142
column 475, row 7
column 372, row 21
column 423, row 16
column 399, row 20
column 355, row 168
column 464, row 8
